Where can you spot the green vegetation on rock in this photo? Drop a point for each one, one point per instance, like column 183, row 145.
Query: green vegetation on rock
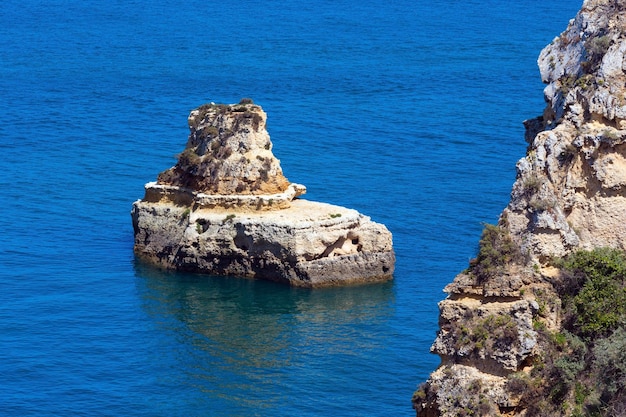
column 188, row 158
column 581, row 370
column 593, row 289
column 496, row 251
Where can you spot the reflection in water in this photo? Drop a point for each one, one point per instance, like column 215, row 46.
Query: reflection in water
column 252, row 345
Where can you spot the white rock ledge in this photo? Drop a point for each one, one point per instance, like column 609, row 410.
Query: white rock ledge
column 172, row 193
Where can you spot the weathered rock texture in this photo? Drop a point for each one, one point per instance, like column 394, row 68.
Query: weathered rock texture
column 570, row 194
column 228, row 152
column 227, row 209
column 571, row 186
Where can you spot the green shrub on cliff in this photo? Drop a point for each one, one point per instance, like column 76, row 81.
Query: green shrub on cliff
column 496, row 250
column 596, row 47
column 484, row 335
column 188, row 158
column 610, row 354
column 593, row 288
column 582, row 369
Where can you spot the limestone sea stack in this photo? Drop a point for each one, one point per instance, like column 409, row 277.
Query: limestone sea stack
column 226, row 208
column 505, row 343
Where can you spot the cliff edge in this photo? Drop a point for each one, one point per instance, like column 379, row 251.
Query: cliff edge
column 525, row 330
column 226, row 208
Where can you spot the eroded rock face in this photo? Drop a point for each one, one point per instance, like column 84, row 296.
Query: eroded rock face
column 226, row 208
column 570, row 191
column 570, row 194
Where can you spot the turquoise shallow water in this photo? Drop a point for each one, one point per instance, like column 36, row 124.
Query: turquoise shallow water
column 409, row 112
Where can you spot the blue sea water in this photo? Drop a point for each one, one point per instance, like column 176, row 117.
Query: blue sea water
column 408, row 111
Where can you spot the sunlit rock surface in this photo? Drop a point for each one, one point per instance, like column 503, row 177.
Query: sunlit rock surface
column 227, row 209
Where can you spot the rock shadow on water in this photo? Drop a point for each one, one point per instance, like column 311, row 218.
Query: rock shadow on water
column 239, row 338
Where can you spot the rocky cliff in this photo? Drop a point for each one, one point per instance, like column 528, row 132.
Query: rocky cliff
column 509, row 328
column 226, row 208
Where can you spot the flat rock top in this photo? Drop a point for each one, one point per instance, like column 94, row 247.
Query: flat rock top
column 301, row 213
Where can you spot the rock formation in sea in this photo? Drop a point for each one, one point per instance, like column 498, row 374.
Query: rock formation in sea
column 507, row 340
column 226, row 208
